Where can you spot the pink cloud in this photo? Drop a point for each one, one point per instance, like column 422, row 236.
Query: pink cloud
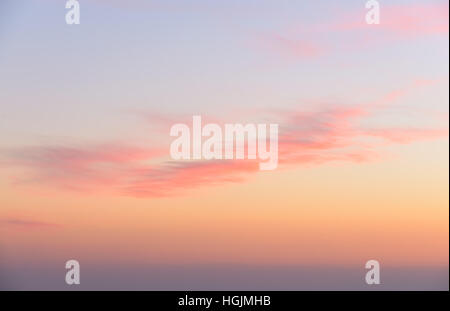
column 27, row 224
column 86, row 168
column 329, row 133
column 410, row 20
column 171, row 178
column 291, row 48
column 397, row 22
column 330, row 138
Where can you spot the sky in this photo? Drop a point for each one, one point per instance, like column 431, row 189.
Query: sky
column 86, row 173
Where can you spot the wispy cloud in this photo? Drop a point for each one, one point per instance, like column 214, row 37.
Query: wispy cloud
column 290, row 48
column 27, row 224
column 328, row 133
column 81, row 168
column 404, row 21
column 349, row 31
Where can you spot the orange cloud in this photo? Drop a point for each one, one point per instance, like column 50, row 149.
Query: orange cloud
column 404, row 136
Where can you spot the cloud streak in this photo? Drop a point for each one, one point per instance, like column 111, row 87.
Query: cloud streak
column 27, row 224
column 330, row 133
column 397, row 23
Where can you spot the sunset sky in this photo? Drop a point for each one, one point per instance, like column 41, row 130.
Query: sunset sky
column 86, row 173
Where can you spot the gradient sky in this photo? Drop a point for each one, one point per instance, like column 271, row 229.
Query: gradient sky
column 85, row 173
